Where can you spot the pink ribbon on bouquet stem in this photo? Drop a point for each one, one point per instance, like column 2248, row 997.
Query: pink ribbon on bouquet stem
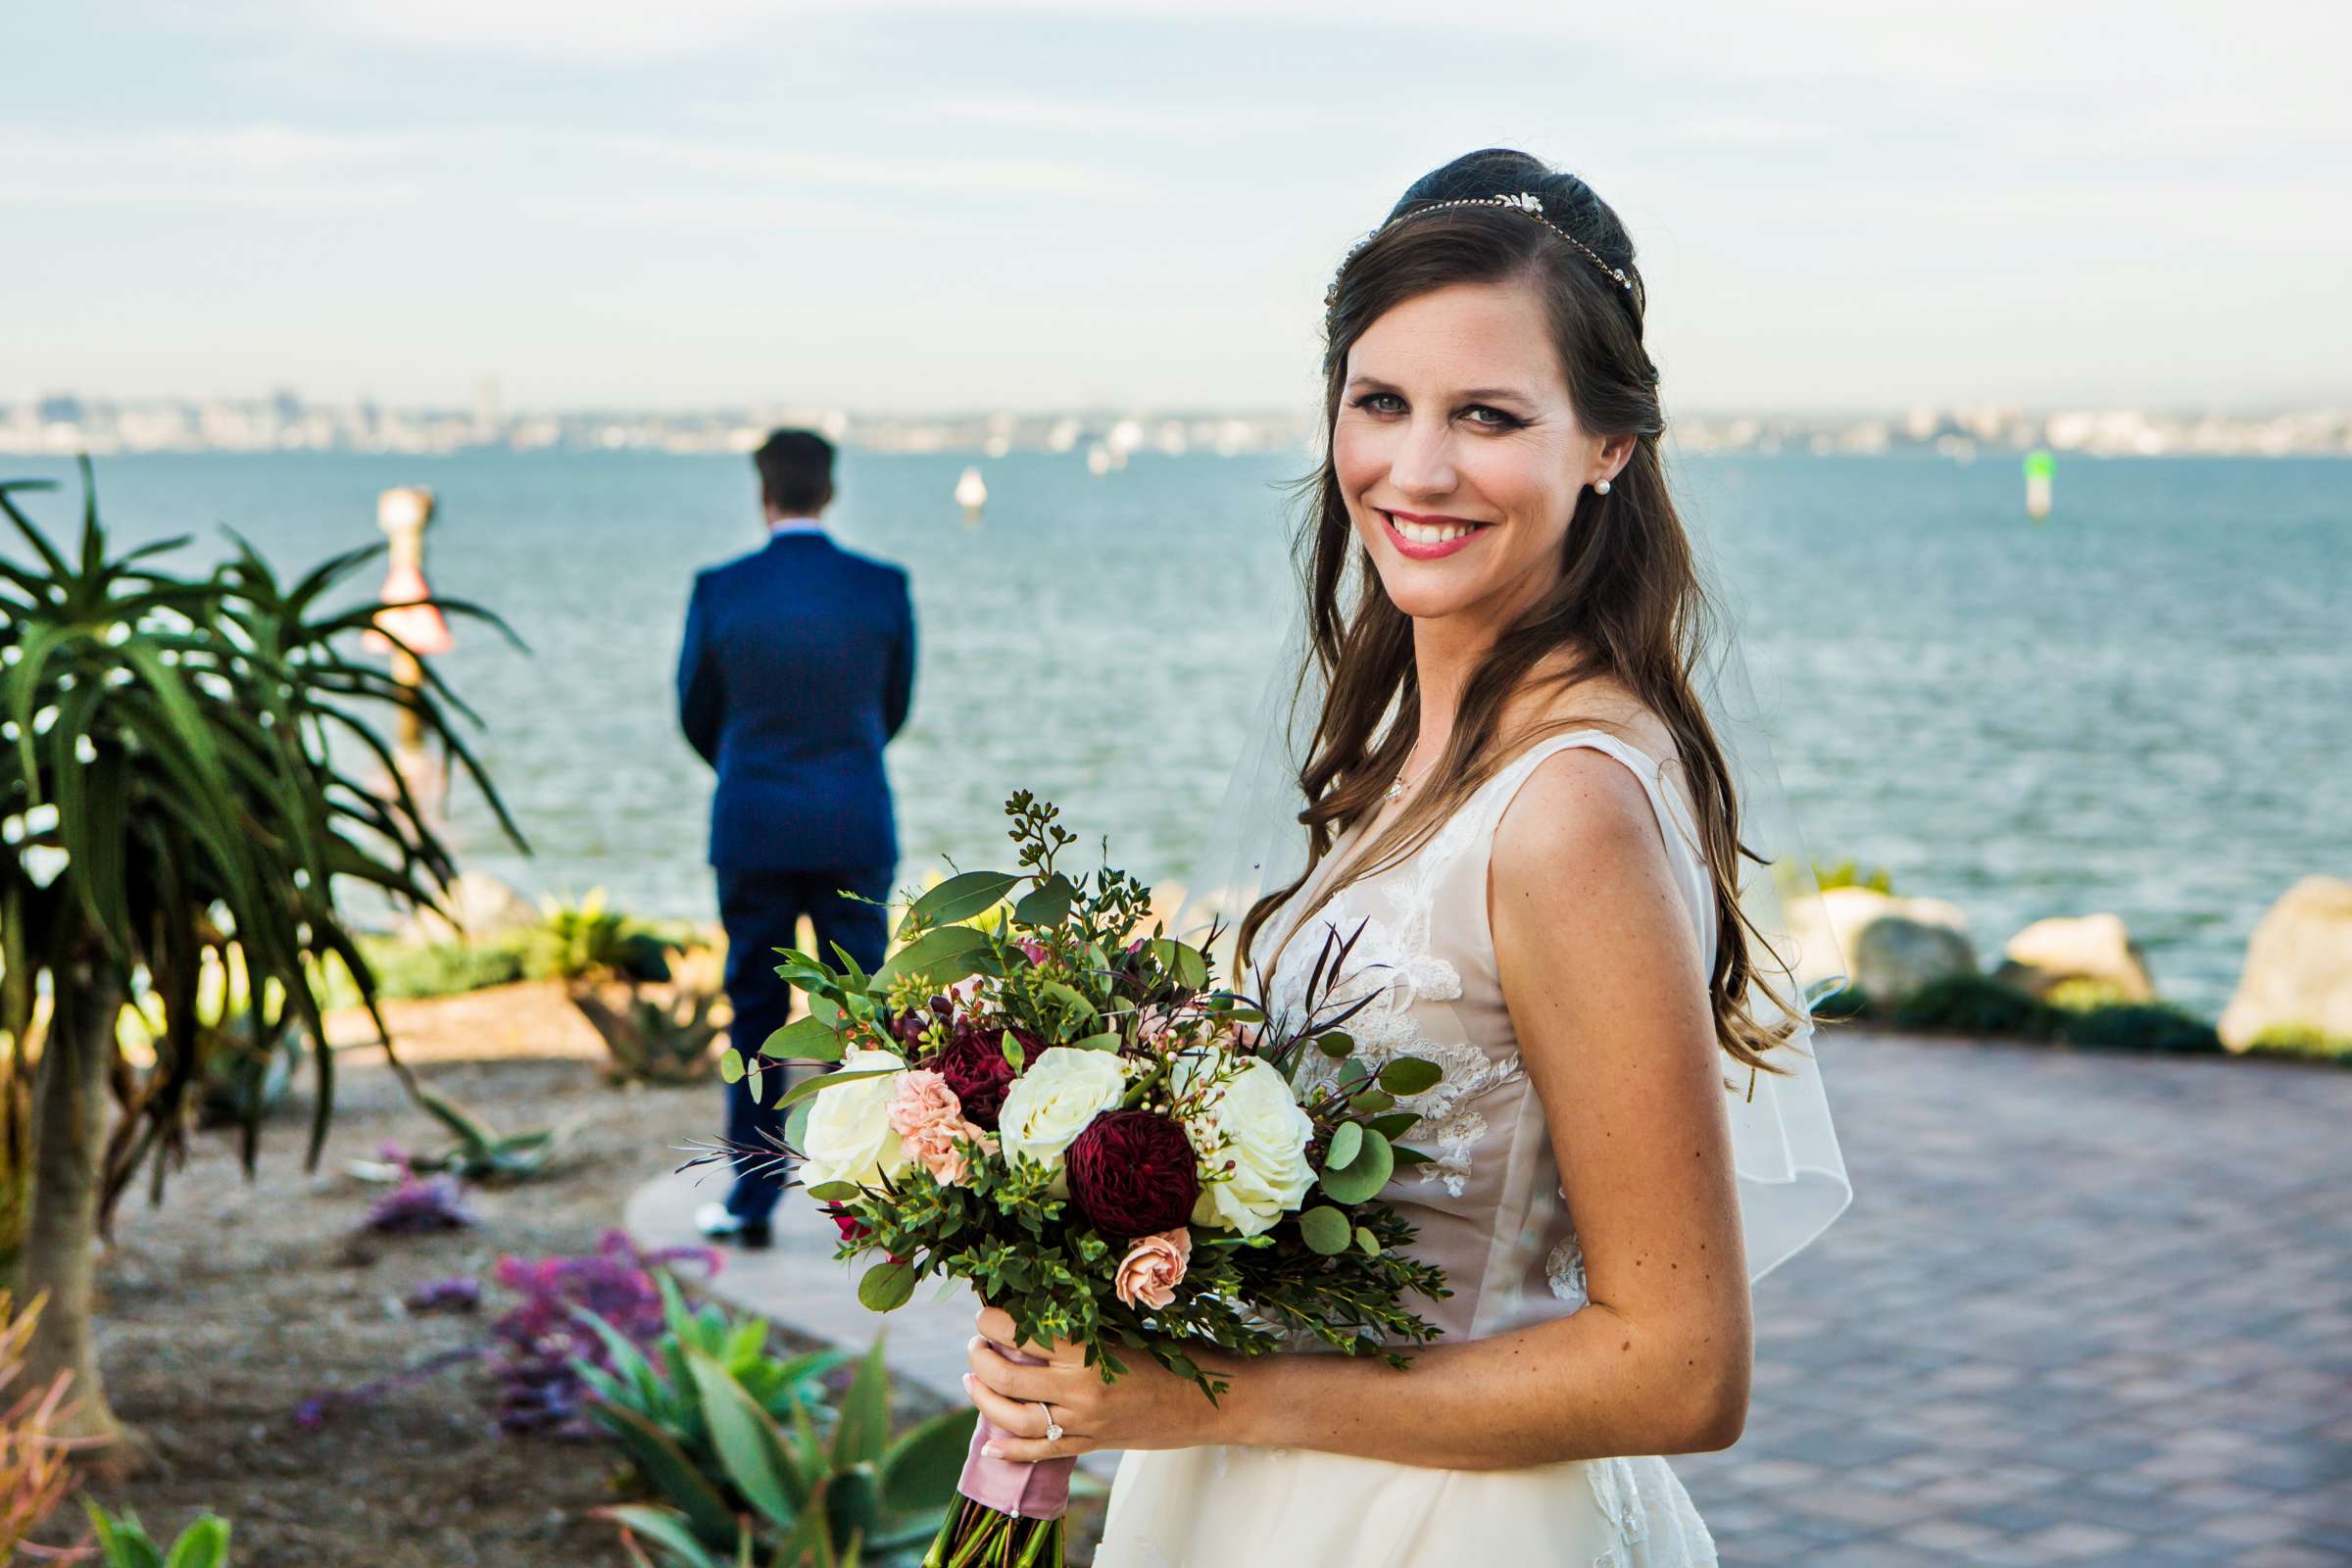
column 1024, row 1489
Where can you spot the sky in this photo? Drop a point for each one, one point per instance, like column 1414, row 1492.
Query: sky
column 1000, row 205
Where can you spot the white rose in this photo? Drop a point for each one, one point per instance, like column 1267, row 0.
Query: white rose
column 850, row 1138
column 1051, row 1102
column 1253, row 1120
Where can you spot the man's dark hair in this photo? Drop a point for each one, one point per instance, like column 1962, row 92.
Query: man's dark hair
column 796, row 471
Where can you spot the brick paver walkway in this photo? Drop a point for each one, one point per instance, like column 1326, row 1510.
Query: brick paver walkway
column 2086, row 1309
column 2090, row 1310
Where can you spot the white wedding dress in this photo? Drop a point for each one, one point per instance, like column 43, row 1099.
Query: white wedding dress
column 1490, row 1211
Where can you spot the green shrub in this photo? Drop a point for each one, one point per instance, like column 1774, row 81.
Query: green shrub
column 1978, row 1004
column 1846, row 874
column 580, row 941
column 1843, row 1005
column 444, row 968
column 2139, row 1026
column 1974, row 1004
column 2301, row 1039
column 571, row 942
column 2082, row 993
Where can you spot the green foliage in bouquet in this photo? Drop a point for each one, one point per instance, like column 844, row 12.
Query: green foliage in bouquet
column 995, row 970
column 785, row 1491
column 124, row 1543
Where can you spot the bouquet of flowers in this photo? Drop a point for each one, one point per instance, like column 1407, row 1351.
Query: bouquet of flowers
column 1074, row 1117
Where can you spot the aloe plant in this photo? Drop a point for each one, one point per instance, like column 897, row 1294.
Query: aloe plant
column 122, row 1543
column 655, row 1040
column 655, row 1387
column 786, row 1494
column 480, row 1153
column 174, row 796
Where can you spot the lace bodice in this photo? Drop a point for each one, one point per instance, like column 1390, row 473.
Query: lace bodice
column 1489, row 1204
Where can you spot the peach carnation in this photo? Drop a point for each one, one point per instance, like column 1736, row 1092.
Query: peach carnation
column 930, row 1123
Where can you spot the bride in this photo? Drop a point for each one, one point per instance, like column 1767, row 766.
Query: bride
column 1516, row 804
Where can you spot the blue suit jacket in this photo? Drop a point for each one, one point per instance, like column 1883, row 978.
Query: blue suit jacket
column 798, row 667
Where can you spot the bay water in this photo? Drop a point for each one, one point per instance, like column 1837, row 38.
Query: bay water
column 2143, row 705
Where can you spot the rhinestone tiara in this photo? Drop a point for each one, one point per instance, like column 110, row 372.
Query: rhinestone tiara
column 1523, row 202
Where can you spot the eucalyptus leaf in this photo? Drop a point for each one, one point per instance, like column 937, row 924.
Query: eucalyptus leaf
column 1409, row 1075
column 962, row 895
column 886, row 1287
column 807, row 1038
column 1326, row 1230
column 1366, row 1242
column 1047, row 904
column 1345, row 1141
column 1362, row 1178
column 730, row 1067
column 1336, row 1043
column 1184, row 962
column 938, row 957
column 835, row 1191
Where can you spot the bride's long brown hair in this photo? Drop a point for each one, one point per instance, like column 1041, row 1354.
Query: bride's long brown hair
column 1629, row 607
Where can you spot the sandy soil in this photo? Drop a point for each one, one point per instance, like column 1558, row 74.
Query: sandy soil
column 235, row 1300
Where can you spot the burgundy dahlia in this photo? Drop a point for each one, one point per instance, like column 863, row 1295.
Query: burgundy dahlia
column 973, row 1064
column 1132, row 1173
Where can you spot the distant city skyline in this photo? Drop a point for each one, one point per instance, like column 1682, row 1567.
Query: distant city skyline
column 61, row 425
column 1030, row 206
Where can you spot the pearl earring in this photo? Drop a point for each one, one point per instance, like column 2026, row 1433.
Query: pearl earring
column 1601, row 488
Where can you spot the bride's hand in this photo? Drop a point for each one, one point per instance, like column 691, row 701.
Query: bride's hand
column 1149, row 1407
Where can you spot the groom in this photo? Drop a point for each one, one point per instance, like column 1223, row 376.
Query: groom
column 796, row 668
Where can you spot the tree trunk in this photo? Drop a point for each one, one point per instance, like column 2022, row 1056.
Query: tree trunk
column 61, row 1233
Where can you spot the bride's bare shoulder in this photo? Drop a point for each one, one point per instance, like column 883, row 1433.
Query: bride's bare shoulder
column 1606, row 704
column 1602, row 703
